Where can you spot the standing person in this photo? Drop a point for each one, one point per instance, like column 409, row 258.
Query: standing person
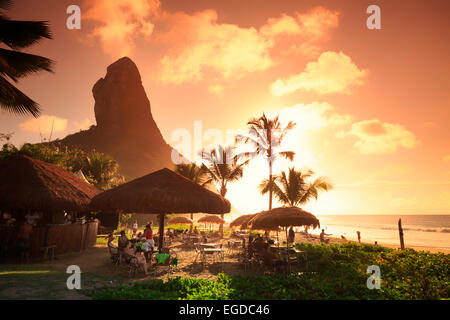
column 148, row 234
column 135, row 227
column 359, row 236
column 291, row 235
column 23, row 241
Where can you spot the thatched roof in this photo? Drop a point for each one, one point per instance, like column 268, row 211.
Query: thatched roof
column 31, row 184
column 241, row 220
column 180, row 220
column 283, row 217
column 163, row 191
column 211, row 219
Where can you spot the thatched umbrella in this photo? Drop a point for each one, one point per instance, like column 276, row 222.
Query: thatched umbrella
column 180, row 220
column 161, row 192
column 212, row 219
column 283, row 217
column 241, row 220
column 31, row 184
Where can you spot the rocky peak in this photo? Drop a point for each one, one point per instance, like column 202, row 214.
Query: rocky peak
column 125, row 126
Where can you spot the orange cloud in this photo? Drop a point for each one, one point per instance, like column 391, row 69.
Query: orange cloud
column 200, row 45
column 119, row 22
column 332, row 73
column 308, row 28
column 317, row 22
column 285, row 25
column 195, row 45
column 314, row 116
column 375, row 136
column 446, row 158
column 313, row 25
column 216, row 88
column 45, row 124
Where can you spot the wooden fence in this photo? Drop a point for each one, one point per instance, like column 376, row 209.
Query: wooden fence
column 67, row 238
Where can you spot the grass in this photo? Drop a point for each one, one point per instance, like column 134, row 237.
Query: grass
column 41, row 282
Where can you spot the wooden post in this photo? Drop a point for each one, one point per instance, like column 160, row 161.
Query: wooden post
column 400, row 231
column 161, row 232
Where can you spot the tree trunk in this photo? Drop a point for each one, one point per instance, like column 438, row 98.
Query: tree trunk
column 270, row 184
column 223, row 192
column 161, row 232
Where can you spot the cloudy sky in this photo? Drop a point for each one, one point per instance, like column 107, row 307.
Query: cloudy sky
column 371, row 106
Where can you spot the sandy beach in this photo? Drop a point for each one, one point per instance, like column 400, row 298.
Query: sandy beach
column 97, row 260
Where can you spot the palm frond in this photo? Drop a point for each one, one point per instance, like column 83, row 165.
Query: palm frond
column 17, row 64
column 287, row 154
column 14, row 101
column 22, row 34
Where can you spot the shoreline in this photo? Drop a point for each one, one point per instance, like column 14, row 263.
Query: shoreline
column 334, row 239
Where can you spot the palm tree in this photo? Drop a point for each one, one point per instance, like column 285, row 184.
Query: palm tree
column 222, row 168
column 194, row 173
column 104, row 170
column 15, row 64
column 265, row 136
column 294, row 188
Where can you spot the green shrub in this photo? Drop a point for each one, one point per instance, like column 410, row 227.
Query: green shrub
column 334, row 272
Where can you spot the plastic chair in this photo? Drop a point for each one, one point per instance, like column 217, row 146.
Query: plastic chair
column 166, row 259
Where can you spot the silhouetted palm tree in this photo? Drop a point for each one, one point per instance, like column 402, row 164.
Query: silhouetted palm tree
column 265, row 136
column 295, row 188
column 104, row 170
column 194, row 173
column 222, row 168
column 15, row 64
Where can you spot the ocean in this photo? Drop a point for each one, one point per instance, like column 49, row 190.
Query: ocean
column 418, row 230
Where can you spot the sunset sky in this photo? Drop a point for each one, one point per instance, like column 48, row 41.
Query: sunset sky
column 371, row 106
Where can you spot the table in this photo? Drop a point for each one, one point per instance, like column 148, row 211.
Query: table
column 208, row 245
column 234, row 245
column 213, row 251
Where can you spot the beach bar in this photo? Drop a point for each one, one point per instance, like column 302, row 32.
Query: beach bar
column 54, row 201
column 161, row 192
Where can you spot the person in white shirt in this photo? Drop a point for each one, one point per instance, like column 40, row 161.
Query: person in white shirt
column 135, row 227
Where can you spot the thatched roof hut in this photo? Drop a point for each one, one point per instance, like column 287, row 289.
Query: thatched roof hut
column 211, row 219
column 241, row 220
column 283, row 217
column 180, row 220
column 161, row 192
column 31, row 184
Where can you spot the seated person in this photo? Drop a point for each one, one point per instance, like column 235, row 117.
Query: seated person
column 170, row 234
column 112, row 248
column 322, row 236
column 270, row 240
column 141, row 259
column 258, row 243
column 196, row 231
column 270, row 259
column 122, row 241
column 129, row 252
